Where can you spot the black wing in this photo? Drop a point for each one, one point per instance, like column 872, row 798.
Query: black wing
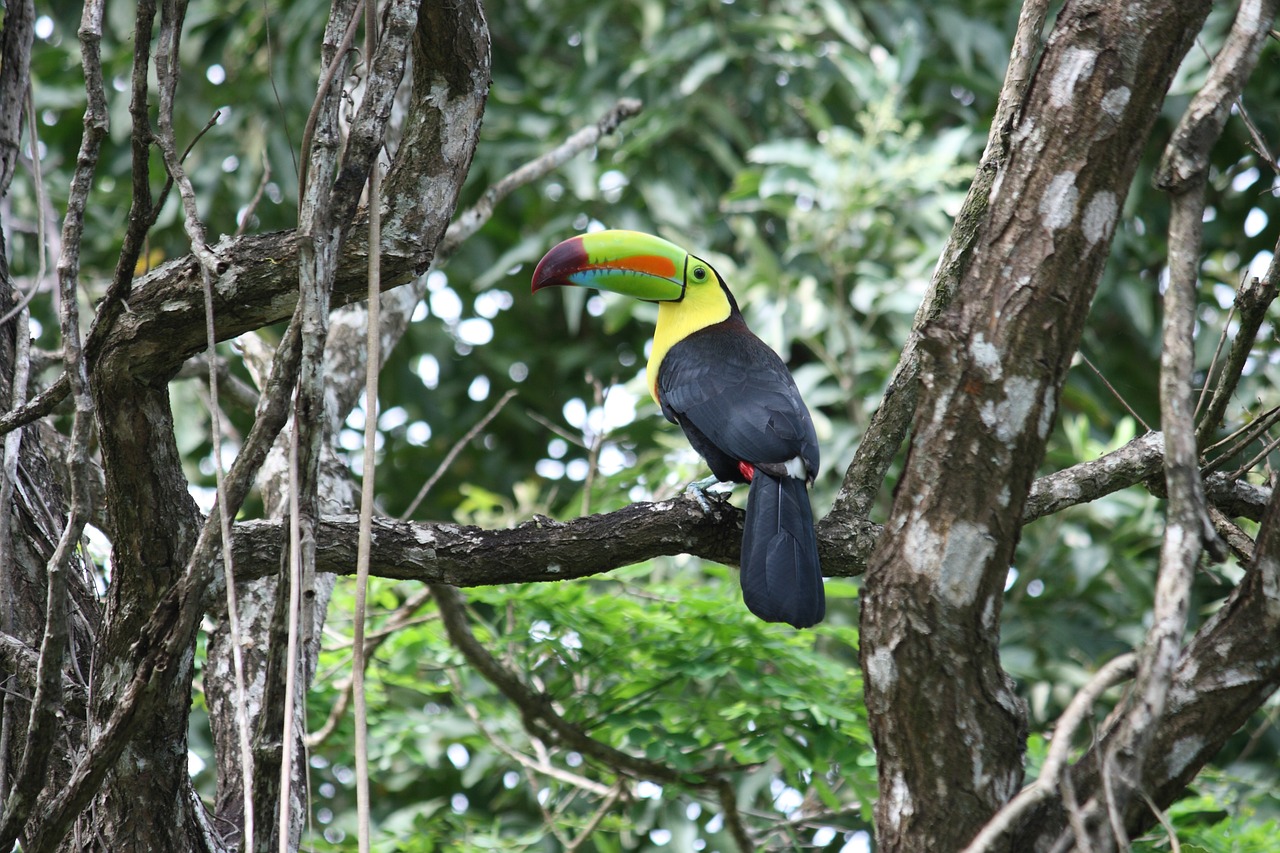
column 727, row 388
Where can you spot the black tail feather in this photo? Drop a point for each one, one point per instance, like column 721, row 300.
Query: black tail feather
column 781, row 578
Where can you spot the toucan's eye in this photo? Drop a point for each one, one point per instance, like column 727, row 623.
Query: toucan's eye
column 700, row 273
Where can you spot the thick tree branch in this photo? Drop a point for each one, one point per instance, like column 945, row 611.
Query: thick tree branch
column 37, row 407
column 1186, row 529
column 15, row 75
column 1184, row 173
column 18, row 657
column 44, row 725
column 1225, row 673
column 131, row 365
column 538, row 550
column 544, row 550
column 1129, row 465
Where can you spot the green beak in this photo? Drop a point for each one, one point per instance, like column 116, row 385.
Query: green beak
column 626, row 262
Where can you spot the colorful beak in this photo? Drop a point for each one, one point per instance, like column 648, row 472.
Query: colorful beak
column 626, row 262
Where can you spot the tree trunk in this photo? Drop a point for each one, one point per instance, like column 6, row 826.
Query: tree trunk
column 948, row 727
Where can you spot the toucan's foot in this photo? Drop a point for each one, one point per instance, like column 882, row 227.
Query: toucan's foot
column 698, row 491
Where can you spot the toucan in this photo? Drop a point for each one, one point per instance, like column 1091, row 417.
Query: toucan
column 733, row 397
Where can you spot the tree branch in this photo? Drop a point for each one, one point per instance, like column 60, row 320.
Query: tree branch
column 1186, row 529
column 1055, row 764
column 1251, row 303
column 474, row 218
column 1129, row 465
column 1222, row 676
column 15, row 75
column 537, row 710
column 544, row 550
column 538, row 550
column 1163, row 701
column 18, row 657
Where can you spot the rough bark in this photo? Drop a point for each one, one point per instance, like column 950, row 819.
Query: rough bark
column 948, row 726
column 450, row 56
column 139, row 711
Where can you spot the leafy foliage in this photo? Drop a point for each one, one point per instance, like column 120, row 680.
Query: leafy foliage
column 816, row 152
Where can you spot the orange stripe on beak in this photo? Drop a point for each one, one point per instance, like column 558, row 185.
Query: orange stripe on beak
column 651, row 264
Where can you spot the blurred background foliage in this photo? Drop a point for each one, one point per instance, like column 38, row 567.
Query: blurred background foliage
column 815, row 151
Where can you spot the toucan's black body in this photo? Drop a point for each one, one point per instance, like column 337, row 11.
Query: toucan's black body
column 733, row 397
column 740, row 409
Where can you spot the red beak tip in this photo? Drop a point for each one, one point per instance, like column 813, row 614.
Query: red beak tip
column 557, row 265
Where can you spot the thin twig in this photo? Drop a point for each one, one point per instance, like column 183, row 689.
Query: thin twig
column 291, row 649
column 37, row 179
column 1217, row 353
column 1115, row 393
column 368, row 476
column 455, row 450
column 1261, row 454
column 247, row 215
column 143, row 211
column 542, row 765
column 401, row 618
column 318, row 243
column 1240, row 439
column 26, row 297
column 567, row 435
column 231, row 388
column 1172, row 834
column 538, row 712
column 732, row 816
column 615, row 793
column 326, row 84
column 595, row 440
column 1252, row 302
column 478, row 214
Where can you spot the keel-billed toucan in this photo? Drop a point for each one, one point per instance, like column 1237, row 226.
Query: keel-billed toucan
column 733, row 397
